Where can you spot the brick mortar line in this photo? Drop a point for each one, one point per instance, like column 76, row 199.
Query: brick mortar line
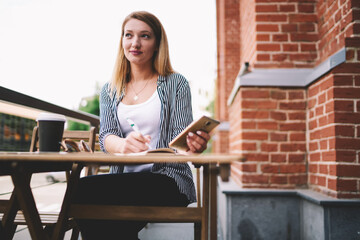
column 337, row 23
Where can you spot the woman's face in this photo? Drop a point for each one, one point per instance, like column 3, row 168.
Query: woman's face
column 139, row 42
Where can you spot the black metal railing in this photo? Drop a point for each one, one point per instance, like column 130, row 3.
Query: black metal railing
column 28, row 101
column 15, row 131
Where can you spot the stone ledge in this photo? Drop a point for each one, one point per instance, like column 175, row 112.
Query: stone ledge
column 285, row 77
column 232, row 189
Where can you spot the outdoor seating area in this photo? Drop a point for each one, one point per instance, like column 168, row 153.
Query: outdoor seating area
column 28, row 163
column 54, row 218
column 19, row 207
column 283, row 95
column 48, row 196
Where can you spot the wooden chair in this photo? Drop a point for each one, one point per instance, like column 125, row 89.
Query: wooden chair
column 9, row 209
column 76, row 136
column 199, row 215
column 98, row 169
column 88, row 136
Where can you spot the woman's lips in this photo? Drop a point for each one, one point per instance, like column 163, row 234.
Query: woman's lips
column 135, row 52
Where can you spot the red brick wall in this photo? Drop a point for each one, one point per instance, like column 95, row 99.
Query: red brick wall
column 286, row 33
column 335, row 24
column 334, row 106
column 293, row 137
column 334, row 136
column 228, row 63
column 268, row 127
column 247, row 32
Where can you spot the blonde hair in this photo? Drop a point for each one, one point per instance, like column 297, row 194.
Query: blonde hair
column 161, row 58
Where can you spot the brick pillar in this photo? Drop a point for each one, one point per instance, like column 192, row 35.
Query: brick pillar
column 228, row 47
column 334, row 143
column 334, row 105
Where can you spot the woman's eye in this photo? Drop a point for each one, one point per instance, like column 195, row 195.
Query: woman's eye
column 127, row 35
column 145, row 36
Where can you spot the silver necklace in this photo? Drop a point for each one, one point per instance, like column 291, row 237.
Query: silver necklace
column 137, row 93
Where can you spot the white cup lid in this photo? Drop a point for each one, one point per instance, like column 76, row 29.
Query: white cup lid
column 50, row 117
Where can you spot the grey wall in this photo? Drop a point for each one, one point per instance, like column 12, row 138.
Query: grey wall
column 255, row 214
column 342, row 222
column 312, row 221
column 264, row 217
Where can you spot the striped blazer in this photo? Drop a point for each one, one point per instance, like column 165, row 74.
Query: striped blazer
column 175, row 115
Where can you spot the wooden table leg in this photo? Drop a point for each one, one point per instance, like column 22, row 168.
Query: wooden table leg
column 8, row 226
column 71, row 188
column 205, row 204
column 25, row 198
column 213, row 202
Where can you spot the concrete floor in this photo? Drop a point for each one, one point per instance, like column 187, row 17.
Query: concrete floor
column 153, row 231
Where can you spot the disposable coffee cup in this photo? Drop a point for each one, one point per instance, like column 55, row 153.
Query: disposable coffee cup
column 51, row 129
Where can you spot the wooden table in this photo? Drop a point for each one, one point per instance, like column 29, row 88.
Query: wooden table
column 21, row 165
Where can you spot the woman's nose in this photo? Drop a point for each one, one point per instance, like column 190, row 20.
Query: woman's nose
column 136, row 42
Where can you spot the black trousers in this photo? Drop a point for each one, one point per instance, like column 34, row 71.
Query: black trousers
column 133, row 189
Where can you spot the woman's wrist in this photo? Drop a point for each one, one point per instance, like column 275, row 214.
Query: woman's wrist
column 114, row 144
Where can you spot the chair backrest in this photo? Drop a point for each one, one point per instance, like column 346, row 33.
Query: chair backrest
column 97, row 144
column 88, row 136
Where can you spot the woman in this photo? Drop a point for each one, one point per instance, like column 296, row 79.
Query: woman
column 145, row 89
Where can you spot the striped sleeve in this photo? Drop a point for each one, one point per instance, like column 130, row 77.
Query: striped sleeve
column 182, row 115
column 108, row 121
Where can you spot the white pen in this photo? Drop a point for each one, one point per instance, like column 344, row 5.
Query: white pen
column 133, row 125
column 136, row 129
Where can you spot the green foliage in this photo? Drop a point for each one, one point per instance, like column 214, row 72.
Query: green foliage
column 89, row 105
column 72, row 125
column 15, row 133
column 211, row 107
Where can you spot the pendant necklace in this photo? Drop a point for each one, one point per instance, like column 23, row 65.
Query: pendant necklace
column 137, row 93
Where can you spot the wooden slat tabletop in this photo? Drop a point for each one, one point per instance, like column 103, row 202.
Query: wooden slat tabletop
column 103, row 158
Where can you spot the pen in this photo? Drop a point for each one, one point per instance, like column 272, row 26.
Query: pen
column 135, row 128
column 133, row 125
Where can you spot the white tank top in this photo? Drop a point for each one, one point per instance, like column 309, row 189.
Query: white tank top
column 146, row 116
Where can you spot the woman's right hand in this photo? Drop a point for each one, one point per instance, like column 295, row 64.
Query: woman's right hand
column 133, row 143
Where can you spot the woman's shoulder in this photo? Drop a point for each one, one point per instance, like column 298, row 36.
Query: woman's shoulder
column 105, row 88
column 177, row 76
column 176, row 79
column 106, row 91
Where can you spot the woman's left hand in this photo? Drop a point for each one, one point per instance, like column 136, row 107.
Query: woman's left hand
column 197, row 142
